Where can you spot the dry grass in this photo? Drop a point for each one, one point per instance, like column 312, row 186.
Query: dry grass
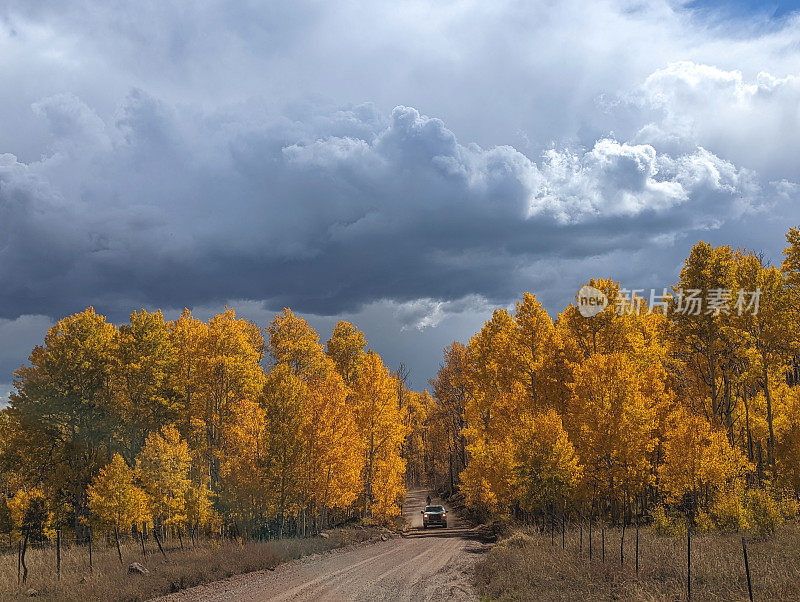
column 526, row 567
column 208, row 561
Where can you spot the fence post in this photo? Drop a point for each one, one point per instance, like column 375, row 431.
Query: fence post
column 91, row 565
column 158, row 541
column 590, row 538
column 58, row 553
column 747, row 570
column 116, row 538
column 19, row 560
column 581, row 540
column 603, row 533
column 688, row 560
column 622, row 544
column 637, row 546
column 24, row 549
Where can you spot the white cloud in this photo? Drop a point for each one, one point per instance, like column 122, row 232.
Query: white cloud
column 429, row 313
column 753, row 122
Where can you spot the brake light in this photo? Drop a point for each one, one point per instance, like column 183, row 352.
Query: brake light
column 424, row 516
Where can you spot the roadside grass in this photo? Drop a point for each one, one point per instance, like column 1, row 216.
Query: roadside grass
column 525, row 566
column 207, row 561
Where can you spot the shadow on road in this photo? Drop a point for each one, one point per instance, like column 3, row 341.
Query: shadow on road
column 480, row 534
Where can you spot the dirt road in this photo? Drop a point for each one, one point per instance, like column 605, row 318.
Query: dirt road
column 431, row 564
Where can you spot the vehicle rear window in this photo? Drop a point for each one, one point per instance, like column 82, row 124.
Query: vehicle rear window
column 434, row 508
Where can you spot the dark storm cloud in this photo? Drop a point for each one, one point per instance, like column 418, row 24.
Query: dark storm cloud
column 345, row 208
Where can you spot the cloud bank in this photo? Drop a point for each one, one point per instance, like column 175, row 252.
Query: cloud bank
column 421, row 162
column 349, row 208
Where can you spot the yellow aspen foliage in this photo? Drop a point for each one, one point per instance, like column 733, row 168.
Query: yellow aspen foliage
column 199, row 510
column 323, row 438
column 445, row 442
column 504, row 384
column 617, row 424
column 762, row 339
column 487, row 480
column 497, row 391
column 496, row 399
column 188, row 341
column 245, row 491
column 787, row 432
column 791, row 318
column 230, row 373
column 607, row 332
column 163, row 470
column 144, row 393
column 28, row 509
column 387, row 486
column 65, row 405
column 698, row 460
column 381, row 429
column 546, row 467
column 114, row 498
column 535, row 340
column 417, row 417
column 681, row 405
column 334, row 452
column 346, row 349
column 293, row 342
column 283, row 401
column 791, row 257
column 699, row 334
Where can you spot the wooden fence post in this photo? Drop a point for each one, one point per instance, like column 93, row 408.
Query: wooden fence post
column 603, row 534
column 116, row 538
column 747, row 570
column 688, row 560
column 24, row 549
column 58, row 553
column 158, row 541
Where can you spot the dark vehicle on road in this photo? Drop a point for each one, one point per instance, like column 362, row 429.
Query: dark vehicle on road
column 434, row 515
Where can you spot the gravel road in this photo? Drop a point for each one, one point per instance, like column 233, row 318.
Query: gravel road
column 430, row 564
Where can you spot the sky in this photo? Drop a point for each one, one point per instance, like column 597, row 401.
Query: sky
column 406, row 165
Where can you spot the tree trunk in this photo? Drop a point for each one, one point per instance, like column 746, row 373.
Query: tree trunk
column 771, row 440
